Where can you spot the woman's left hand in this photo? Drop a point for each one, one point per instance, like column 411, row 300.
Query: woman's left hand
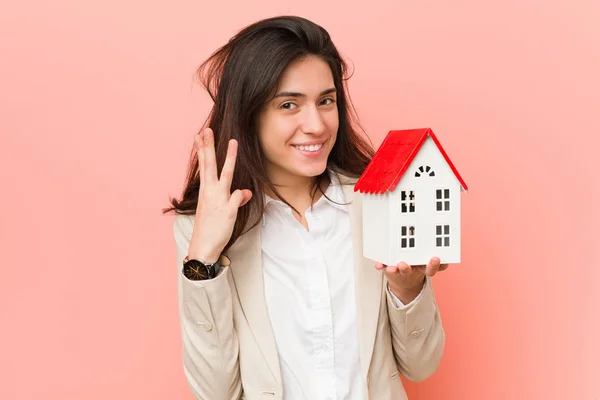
column 406, row 281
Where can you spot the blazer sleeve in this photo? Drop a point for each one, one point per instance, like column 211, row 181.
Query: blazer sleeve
column 210, row 344
column 418, row 337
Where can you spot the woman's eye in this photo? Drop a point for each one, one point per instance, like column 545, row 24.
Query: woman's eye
column 328, row 100
column 288, row 106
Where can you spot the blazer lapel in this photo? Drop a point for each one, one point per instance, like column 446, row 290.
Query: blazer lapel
column 368, row 283
column 246, row 266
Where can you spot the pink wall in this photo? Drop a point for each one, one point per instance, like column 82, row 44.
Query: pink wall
column 97, row 113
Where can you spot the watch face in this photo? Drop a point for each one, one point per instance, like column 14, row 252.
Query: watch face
column 195, row 270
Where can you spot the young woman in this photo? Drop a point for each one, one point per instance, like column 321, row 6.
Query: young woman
column 275, row 298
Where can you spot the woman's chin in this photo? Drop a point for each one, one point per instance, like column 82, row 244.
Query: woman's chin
column 311, row 171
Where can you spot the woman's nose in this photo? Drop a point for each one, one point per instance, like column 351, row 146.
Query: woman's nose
column 313, row 122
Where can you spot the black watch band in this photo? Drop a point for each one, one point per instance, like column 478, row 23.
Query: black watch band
column 197, row 270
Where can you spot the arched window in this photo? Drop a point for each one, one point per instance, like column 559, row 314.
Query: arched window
column 424, row 170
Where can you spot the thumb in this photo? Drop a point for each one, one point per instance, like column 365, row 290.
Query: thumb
column 247, row 196
column 240, row 197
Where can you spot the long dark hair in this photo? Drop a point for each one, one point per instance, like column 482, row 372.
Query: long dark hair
column 240, row 78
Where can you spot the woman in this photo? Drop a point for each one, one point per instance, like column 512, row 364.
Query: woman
column 276, row 300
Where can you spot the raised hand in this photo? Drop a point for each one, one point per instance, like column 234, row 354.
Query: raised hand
column 407, row 281
column 217, row 207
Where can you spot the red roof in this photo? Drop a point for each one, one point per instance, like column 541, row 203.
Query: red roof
column 393, row 157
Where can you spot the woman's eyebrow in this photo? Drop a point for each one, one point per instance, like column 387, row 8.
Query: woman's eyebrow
column 297, row 94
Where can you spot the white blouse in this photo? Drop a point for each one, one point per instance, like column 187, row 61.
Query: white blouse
column 309, row 290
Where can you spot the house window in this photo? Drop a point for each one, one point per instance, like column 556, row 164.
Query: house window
column 442, row 235
column 424, row 170
column 407, row 198
column 407, row 237
column 442, row 199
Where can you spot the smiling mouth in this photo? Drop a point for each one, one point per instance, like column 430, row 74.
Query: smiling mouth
column 310, row 148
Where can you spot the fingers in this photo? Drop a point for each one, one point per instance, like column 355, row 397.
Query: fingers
column 432, row 267
column 435, row 266
column 199, row 142
column 247, row 196
column 402, row 268
column 229, row 165
column 207, row 160
column 209, row 157
column 240, row 197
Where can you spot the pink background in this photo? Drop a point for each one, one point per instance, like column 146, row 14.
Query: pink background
column 97, row 113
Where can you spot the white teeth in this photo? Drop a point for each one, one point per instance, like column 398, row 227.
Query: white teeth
column 312, row 147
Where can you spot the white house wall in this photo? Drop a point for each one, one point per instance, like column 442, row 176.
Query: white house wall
column 425, row 217
column 376, row 227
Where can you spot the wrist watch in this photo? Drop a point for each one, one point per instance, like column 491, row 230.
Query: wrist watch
column 197, row 270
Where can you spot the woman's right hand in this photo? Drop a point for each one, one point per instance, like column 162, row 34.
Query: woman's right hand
column 217, row 207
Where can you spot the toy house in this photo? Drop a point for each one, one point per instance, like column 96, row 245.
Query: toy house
column 411, row 201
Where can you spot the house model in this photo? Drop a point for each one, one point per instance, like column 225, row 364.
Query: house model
column 411, row 201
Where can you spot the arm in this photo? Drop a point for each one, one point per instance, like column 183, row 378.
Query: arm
column 210, row 343
column 418, row 337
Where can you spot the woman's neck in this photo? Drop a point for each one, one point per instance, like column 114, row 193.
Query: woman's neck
column 298, row 192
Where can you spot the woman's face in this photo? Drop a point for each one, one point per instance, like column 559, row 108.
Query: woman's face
column 298, row 128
